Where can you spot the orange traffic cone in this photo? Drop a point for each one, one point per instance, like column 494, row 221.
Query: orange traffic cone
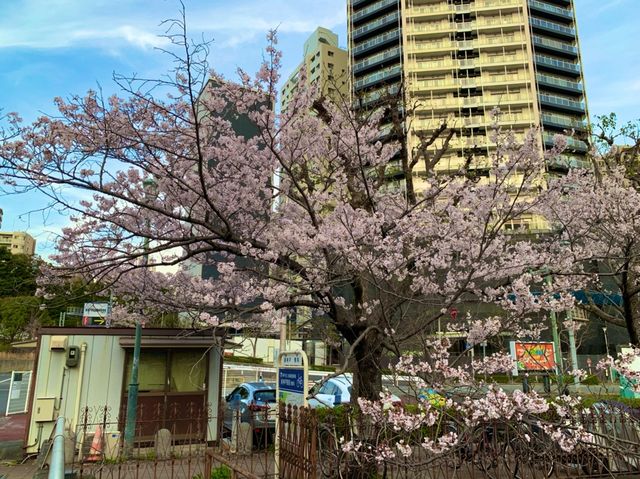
column 95, row 453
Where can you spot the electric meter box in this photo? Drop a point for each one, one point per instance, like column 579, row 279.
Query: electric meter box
column 43, row 409
column 73, row 354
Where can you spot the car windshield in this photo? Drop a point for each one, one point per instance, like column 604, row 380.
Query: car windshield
column 268, row 395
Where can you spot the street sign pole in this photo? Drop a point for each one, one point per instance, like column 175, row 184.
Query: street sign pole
column 292, row 387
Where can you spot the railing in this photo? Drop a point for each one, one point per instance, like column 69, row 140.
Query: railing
column 560, row 101
column 377, row 40
column 553, row 62
column 563, row 12
column 562, row 46
column 559, row 120
column 386, row 20
column 56, row 469
column 377, row 58
column 378, row 76
column 372, row 8
column 549, row 80
column 537, row 22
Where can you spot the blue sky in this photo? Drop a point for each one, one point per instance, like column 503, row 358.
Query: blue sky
column 54, row 48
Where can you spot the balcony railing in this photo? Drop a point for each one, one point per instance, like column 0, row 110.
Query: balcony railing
column 554, row 27
column 378, row 58
column 563, row 121
column 375, row 41
column 360, row 14
column 557, row 82
column 572, row 143
column 561, row 12
column 377, row 77
column 555, row 44
column 560, row 101
column 380, row 22
column 555, row 63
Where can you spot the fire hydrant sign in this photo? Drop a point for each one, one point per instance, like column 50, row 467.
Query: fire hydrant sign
column 293, row 378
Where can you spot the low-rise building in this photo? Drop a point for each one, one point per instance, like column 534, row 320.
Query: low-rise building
column 18, row 242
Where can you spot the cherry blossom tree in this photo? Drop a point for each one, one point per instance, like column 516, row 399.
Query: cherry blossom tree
column 301, row 212
column 598, row 216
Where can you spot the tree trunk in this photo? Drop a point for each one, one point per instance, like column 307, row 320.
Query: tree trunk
column 365, row 362
column 630, row 306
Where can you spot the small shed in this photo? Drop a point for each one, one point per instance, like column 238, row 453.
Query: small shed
column 89, row 369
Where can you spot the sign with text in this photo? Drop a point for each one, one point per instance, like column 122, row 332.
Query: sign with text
column 533, row 356
column 293, row 378
column 96, row 314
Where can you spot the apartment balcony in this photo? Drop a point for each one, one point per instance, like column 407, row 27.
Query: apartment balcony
column 416, row 86
column 551, row 10
column 378, row 77
column 557, row 64
column 505, row 79
column 561, row 103
column 555, row 46
column 422, row 29
column 355, row 3
column 429, row 47
column 374, row 96
column 432, row 66
column 565, row 162
column 572, row 143
column 371, row 10
column 430, row 11
column 379, row 58
column 486, row 43
column 502, row 60
column 559, row 84
column 553, row 28
column 367, row 28
column 499, row 24
column 481, row 5
column 376, row 42
column 563, row 122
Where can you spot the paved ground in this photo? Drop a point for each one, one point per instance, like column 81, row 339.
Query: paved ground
column 18, row 471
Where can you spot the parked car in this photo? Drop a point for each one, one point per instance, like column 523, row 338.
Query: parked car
column 333, row 392
column 254, row 403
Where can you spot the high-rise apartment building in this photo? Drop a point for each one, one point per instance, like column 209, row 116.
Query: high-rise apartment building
column 18, row 242
column 459, row 59
column 325, row 63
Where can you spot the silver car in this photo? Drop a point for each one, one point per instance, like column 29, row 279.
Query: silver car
column 254, row 403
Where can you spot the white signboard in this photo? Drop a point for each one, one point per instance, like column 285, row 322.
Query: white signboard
column 95, row 314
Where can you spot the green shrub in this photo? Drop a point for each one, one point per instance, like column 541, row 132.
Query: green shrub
column 222, row 472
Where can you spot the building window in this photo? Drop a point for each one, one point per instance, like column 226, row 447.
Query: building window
column 330, row 53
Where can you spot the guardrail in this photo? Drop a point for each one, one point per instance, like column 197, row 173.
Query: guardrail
column 56, row 467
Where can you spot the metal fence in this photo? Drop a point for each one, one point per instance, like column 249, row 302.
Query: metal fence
column 171, row 441
column 519, row 448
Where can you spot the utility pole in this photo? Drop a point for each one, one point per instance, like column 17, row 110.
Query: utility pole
column 556, row 340
column 149, row 186
column 572, row 346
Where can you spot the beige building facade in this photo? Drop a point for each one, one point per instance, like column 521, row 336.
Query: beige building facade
column 18, row 242
column 459, row 60
column 325, row 64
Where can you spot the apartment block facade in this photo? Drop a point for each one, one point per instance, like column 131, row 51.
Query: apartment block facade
column 460, row 59
column 325, row 63
column 18, row 242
